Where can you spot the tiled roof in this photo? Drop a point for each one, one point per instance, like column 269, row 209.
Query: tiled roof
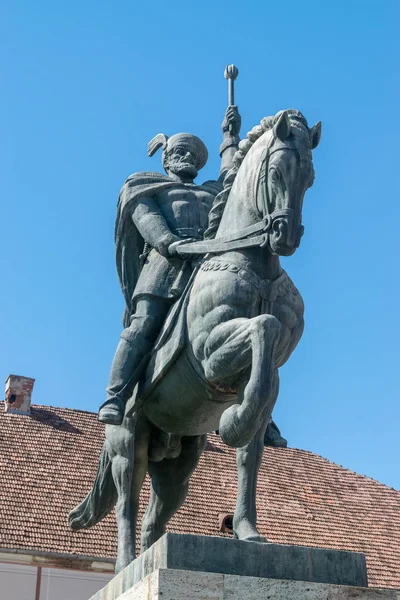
column 48, row 461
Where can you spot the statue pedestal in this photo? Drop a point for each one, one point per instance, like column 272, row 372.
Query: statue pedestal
column 192, row 567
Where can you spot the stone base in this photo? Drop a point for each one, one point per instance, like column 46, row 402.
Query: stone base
column 170, row 584
column 186, row 567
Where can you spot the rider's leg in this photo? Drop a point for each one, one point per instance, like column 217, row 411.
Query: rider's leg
column 248, row 461
column 169, row 488
column 132, row 355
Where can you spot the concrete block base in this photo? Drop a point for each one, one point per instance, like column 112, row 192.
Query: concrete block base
column 171, row 584
column 189, row 567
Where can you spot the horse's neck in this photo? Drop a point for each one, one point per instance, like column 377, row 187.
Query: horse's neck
column 241, row 214
column 239, row 211
column 265, row 264
column 241, row 207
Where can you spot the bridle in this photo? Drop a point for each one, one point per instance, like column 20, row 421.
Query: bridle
column 242, row 239
column 262, row 195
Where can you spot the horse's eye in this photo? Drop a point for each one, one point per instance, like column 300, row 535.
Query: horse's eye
column 275, row 176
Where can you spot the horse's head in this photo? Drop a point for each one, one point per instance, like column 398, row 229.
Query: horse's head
column 286, row 173
column 271, row 171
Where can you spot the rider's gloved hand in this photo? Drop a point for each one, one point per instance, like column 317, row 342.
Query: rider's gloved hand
column 165, row 242
column 174, row 247
column 232, row 121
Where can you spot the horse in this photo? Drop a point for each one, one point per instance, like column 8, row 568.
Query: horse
column 236, row 325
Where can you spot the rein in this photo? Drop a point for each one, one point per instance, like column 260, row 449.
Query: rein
column 240, row 239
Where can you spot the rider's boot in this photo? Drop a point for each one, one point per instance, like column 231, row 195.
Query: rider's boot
column 129, row 361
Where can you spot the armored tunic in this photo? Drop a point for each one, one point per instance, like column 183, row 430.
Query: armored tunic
column 183, row 208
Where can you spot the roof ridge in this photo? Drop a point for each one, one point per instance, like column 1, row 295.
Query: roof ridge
column 47, row 406
column 71, row 410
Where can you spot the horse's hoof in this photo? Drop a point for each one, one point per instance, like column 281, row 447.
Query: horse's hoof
column 255, row 538
column 247, row 532
column 122, row 563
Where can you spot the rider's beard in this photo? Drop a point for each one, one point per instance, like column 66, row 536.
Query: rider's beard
column 183, row 168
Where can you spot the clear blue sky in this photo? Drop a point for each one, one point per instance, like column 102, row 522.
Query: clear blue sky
column 85, row 86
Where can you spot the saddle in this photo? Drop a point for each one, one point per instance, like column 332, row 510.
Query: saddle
column 169, row 345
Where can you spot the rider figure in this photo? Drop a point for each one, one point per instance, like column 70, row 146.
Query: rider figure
column 156, row 213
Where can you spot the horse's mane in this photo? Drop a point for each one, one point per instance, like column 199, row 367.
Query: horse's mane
column 297, row 120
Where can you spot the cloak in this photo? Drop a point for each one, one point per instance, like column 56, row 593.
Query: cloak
column 129, row 243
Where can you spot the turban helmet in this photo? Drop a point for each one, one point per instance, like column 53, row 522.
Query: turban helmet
column 192, row 143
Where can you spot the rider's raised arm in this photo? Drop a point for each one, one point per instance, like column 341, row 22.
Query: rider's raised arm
column 230, row 130
column 152, row 226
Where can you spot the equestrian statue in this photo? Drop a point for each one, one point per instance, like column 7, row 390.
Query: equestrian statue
column 210, row 318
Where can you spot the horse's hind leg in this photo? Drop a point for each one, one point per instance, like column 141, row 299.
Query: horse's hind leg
column 248, row 460
column 129, row 469
column 169, row 488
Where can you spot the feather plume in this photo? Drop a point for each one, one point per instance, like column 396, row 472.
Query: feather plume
column 159, row 141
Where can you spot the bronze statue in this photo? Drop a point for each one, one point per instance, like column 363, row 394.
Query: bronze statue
column 217, row 333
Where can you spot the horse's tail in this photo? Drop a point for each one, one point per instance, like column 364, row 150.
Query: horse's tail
column 100, row 500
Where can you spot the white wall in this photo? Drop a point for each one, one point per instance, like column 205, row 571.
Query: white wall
column 18, row 582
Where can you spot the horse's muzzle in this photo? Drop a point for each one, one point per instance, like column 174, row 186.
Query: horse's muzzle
column 284, row 239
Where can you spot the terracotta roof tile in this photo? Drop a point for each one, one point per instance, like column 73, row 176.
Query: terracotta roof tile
column 48, row 461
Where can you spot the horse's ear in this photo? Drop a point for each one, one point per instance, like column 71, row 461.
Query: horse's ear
column 315, row 134
column 282, row 127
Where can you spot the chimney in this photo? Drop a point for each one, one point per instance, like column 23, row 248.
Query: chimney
column 18, row 394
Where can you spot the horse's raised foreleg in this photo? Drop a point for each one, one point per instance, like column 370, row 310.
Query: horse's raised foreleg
column 169, row 488
column 129, row 467
column 248, row 460
column 247, row 346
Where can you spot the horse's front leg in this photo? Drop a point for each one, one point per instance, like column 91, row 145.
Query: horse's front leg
column 248, row 461
column 246, row 347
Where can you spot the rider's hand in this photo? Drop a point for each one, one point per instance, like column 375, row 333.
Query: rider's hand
column 232, row 121
column 173, row 248
column 165, row 242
